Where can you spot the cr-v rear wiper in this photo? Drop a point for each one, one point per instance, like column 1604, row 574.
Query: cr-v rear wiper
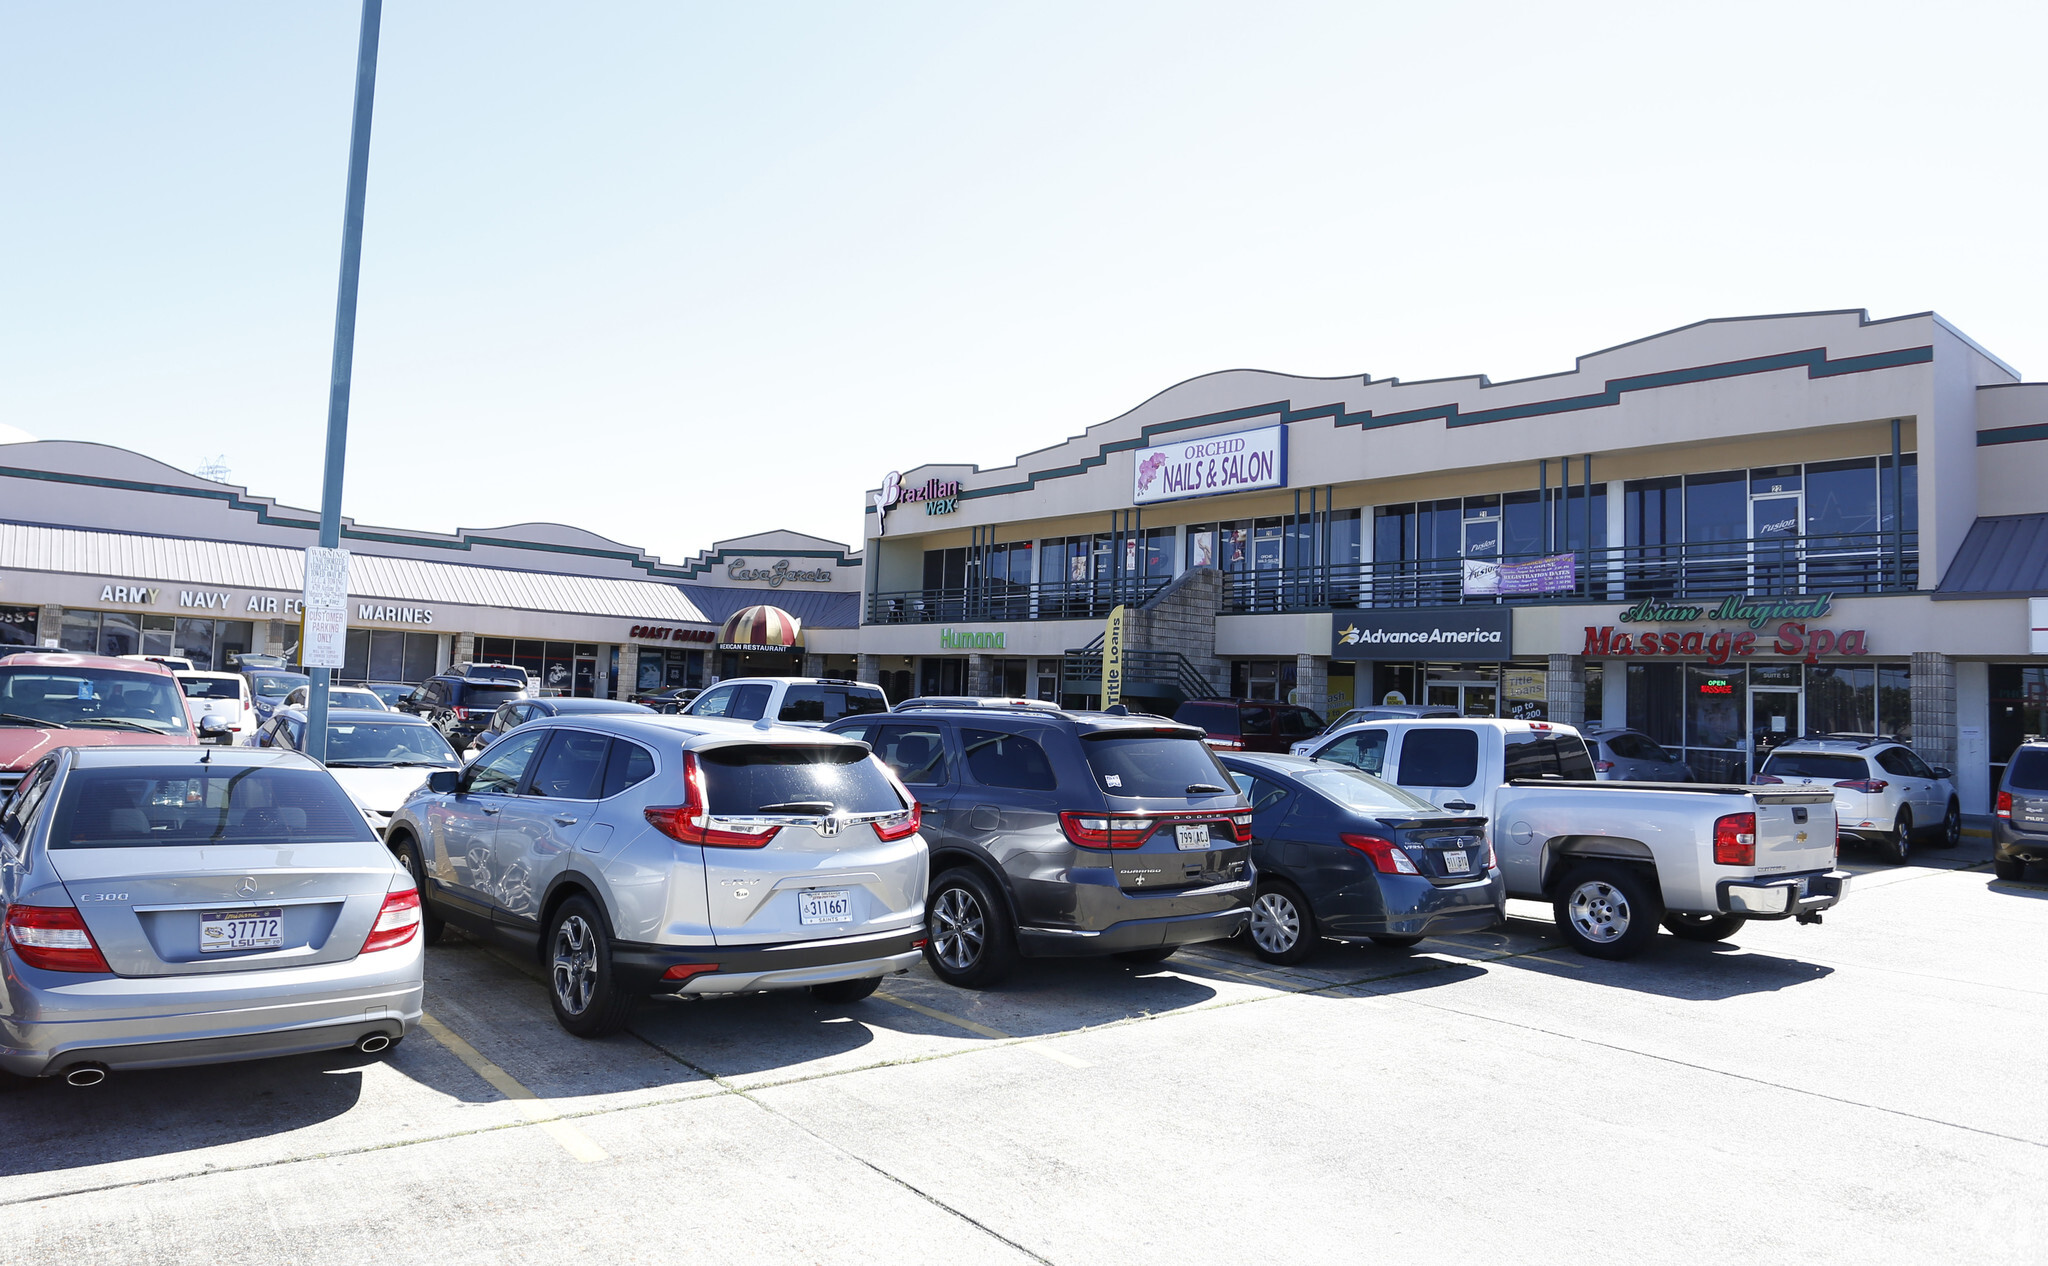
column 1206, row 789
column 15, row 718
column 797, row 806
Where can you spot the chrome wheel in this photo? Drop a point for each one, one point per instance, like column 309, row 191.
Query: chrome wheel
column 1276, row 924
column 958, row 928
column 575, row 969
column 1599, row 911
column 1952, row 827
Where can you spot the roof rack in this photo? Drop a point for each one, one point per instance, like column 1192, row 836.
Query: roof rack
column 975, row 701
column 1860, row 740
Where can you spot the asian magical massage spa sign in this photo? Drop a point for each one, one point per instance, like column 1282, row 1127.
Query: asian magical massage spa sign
column 1794, row 634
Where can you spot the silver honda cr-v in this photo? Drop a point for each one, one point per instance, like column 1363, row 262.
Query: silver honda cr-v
column 640, row 854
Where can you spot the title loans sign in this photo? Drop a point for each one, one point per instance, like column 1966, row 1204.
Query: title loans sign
column 1243, row 461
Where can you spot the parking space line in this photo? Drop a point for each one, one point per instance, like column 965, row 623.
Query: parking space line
column 1054, row 1054
column 574, row 1141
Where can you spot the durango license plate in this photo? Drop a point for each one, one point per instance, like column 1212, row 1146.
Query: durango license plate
column 1191, row 836
column 222, row 930
column 1457, row 861
column 824, row 907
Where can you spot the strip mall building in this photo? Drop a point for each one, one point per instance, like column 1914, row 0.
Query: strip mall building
column 1722, row 535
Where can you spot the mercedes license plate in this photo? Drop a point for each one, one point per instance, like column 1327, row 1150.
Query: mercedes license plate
column 1457, row 861
column 1191, row 836
column 824, row 907
column 223, row 930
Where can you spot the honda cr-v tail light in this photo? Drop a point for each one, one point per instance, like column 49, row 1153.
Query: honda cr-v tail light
column 691, row 821
column 1603, row 766
column 899, row 826
column 2005, row 804
column 396, row 923
column 53, row 938
column 1735, row 839
column 1388, row 858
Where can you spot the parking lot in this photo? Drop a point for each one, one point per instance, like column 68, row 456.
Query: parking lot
column 1858, row 1091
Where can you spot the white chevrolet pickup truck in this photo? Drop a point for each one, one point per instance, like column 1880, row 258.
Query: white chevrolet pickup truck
column 1614, row 859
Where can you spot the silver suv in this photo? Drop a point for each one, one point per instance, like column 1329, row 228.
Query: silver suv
column 639, row 854
column 1884, row 792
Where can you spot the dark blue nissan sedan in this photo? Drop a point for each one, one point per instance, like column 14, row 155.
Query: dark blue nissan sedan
column 1341, row 854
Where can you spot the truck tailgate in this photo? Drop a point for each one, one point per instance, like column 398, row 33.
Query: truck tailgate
column 1795, row 831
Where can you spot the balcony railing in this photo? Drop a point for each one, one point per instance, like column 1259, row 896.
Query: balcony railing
column 1863, row 563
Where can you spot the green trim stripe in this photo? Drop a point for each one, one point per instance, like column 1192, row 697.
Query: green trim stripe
column 2012, row 434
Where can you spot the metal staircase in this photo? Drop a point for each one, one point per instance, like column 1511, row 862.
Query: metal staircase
column 1161, row 679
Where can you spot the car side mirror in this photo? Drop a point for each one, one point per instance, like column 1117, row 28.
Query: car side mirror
column 483, row 740
column 444, row 781
column 214, row 729
column 1943, row 771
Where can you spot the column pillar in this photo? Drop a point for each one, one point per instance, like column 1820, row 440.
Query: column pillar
column 977, row 682
column 50, row 626
column 464, row 651
column 1565, row 690
column 1934, row 708
column 868, row 668
column 1312, row 681
column 629, row 670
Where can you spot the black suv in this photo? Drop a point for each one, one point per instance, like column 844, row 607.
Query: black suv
column 1066, row 833
column 460, row 707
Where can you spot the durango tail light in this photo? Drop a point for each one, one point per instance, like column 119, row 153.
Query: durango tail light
column 1735, row 839
column 53, row 938
column 1387, row 857
column 1868, row 786
column 1241, row 827
column 1222, row 744
column 1105, row 830
column 396, row 923
column 2005, row 804
column 691, row 822
column 904, row 825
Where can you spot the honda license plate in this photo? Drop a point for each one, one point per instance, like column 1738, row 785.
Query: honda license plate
column 1457, row 861
column 1191, row 837
column 223, row 930
column 824, row 907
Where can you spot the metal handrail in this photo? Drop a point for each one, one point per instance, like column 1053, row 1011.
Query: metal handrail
column 1057, row 600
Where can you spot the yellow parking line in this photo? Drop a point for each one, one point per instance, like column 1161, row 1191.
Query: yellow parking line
column 982, row 1030
column 574, row 1141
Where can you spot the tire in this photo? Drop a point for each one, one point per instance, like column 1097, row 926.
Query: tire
column 2009, row 869
column 839, row 993
column 969, row 940
column 1607, row 911
column 1951, row 827
column 1282, row 928
column 409, row 857
column 1146, row 957
column 582, row 987
column 1397, row 942
column 1900, row 846
column 1703, row 927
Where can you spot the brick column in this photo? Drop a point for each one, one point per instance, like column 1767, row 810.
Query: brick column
column 1565, row 689
column 629, row 670
column 1934, row 708
column 464, row 651
column 1312, row 681
column 977, row 682
column 868, row 668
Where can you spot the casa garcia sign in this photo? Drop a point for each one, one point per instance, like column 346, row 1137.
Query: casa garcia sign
column 1792, row 637
column 1243, row 461
column 737, row 569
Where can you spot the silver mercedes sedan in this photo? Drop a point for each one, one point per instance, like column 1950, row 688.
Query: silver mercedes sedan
column 172, row 906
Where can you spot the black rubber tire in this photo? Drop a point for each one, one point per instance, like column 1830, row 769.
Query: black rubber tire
column 840, row 993
column 408, row 854
column 1289, row 898
column 1389, row 941
column 2009, row 869
column 1703, row 927
column 1639, row 909
column 1899, row 847
column 607, row 1007
column 1146, row 957
column 1951, row 827
column 979, row 965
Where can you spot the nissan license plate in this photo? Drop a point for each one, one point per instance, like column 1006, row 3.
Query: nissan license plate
column 1191, row 836
column 1457, row 861
column 824, row 907
column 223, row 930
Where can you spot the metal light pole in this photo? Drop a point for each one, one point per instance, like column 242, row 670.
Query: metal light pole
column 345, row 336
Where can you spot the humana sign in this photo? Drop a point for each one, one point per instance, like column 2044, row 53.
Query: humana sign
column 963, row 640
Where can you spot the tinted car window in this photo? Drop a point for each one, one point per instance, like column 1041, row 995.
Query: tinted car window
column 475, row 696
column 853, row 701
column 1257, row 721
column 498, row 771
column 1918, row 768
column 1440, row 758
column 140, row 807
column 628, row 764
column 1366, row 750
column 755, row 778
column 1007, row 760
column 1297, row 723
column 1262, row 794
column 1626, row 746
column 1152, row 764
column 2029, row 770
column 750, row 702
column 803, row 701
column 1354, row 789
column 916, row 752
column 19, row 813
column 1540, row 755
column 713, row 703
column 1216, row 718
column 210, row 688
column 1823, row 765
column 572, row 766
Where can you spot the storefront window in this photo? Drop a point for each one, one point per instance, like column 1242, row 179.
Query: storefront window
column 1202, row 545
column 121, row 634
column 81, row 634
column 209, row 644
column 18, row 625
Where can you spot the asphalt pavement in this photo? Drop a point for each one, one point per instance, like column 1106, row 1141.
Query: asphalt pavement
column 1859, row 1091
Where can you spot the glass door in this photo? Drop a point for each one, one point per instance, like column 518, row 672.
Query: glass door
column 1777, row 511
column 1774, row 718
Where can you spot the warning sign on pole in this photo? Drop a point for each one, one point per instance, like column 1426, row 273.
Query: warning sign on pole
column 324, row 643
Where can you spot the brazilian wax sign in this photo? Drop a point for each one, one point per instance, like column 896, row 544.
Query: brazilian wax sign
column 1243, row 461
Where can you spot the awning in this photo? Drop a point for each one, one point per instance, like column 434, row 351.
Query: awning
column 2004, row 556
column 760, row 628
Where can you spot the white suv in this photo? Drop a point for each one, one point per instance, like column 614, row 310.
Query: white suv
column 1884, row 792
column 808, row 701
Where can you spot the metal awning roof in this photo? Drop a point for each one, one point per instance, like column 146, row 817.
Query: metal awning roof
column 121, row 557
column 2002, row 557
column 817, row 610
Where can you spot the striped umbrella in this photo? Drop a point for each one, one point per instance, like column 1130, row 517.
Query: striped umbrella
column 762, row 628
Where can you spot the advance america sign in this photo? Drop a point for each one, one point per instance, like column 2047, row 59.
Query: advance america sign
column 1473, row 635
column 1243, row 461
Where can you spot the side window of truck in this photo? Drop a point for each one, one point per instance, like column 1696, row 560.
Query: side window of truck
column 1365, row 751
column 1439, row 758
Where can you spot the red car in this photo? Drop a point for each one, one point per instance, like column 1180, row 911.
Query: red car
column 50, row 700
column 1250, row 725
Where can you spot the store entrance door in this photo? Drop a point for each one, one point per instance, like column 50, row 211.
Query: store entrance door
column 1470, row 700
column 1775, row 561
column 1774, row 718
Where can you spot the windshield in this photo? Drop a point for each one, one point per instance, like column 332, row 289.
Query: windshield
column 277, row 685
column 211, row 687
column 341, row 697
column 1355, row 789
column 755, row 778
column 97, row 697
column 806, row 701
column 1822, row 765
column 2029, row 770
column 362, row 743
column 391, row 694
column 1297, row 723
column 1154, row 765
column 140, row 807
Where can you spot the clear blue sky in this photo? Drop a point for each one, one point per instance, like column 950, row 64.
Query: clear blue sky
column 675, row 272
